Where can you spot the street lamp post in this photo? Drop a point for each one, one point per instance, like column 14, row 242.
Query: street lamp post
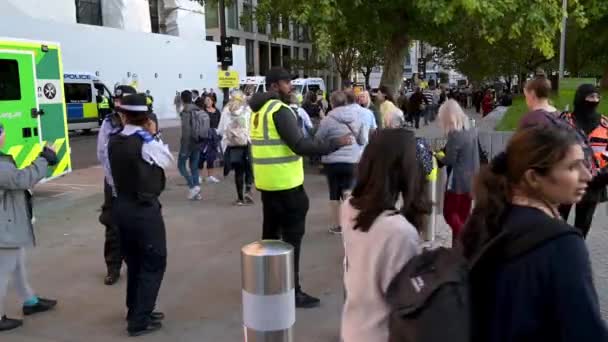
column 562, row 46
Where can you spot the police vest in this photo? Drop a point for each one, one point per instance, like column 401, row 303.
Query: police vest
column 275, row 166
column 597, row 141
column 104, row 104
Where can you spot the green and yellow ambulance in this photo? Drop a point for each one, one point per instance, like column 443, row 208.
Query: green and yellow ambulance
column 32, row 104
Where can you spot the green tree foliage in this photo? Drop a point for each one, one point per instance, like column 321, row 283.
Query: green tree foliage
column 396, row 23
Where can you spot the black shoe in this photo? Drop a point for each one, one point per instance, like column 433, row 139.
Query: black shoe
column 150, row 328
column 42, row 306
column 154, row 316
column 9, row 323
column 306, row 301
column 111, row 279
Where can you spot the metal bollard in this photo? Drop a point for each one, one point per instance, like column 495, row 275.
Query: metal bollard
column 267, row 275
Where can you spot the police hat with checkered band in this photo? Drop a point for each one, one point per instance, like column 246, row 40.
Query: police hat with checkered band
column 134, row 104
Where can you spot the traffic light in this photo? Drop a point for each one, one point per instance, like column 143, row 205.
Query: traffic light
column 422, row 68
column 224, row 52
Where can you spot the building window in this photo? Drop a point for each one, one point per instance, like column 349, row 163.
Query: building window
column 232, row 16
column 274, row 26
column 235, row 40
column 247, row 16
column 305, row 34
column 306, row 54
column 89, row 12
column 211, row 15
column 249, row 51
column 296, row 53
column 154, row 16
column 209, row 38
column 285, row 29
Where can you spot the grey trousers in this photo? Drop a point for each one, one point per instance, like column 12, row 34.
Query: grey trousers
column 12, row 263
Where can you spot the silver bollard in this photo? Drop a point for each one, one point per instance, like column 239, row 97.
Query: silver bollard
column 269, row 307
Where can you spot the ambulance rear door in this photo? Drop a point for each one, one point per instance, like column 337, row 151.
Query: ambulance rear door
column 19, row 109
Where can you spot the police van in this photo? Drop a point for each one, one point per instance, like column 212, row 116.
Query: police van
column 88, row 100
column 253, row 84
column 32, row 106
column 305, row 85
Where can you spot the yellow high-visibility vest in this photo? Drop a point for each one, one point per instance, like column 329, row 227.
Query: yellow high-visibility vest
column 275, row 166
column 104, row 104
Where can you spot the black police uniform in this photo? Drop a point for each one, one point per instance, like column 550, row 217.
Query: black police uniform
column 137, row 213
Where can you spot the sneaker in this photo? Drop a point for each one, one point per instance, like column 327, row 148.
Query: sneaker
column 111, row 279
column 42, row 306
column 194, row 193
column 335, row 230
column 150, row 328
column 238, row 203
column 7, row 324
column 249, row 198
column 212, row 179
column 306, row 301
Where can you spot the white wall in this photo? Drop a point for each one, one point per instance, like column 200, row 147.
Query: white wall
column 113, row 53
column 63, row 11
column 130, row 15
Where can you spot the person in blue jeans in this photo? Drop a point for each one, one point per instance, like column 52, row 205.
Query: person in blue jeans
column 189, row 150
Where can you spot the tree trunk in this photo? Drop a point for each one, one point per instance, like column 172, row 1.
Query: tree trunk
column 604, row 83
column 367, row 74
column 394, row 55
column 509, row 82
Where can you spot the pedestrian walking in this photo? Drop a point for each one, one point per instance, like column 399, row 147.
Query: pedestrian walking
column 277, row 147
column 138, row 160
column 190, row 144
column 537, row 92
column 111, row 125
column 17, row 231
column 428, row 111
column 477, row 100
column 234, row 129
column 213, row 95
column 210, row 150
column 462, row 159
column 339, row 166
column 392, row 117
column 367, row 116
column 304, row 120
column 365, row 101
column 487, row 104
column 381, row 224
column 535, row 268
column 418, row 104
column 593, row 130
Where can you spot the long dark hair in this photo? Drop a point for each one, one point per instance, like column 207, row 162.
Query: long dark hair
column 387, row 171
column 535, row 148
column 388, row 94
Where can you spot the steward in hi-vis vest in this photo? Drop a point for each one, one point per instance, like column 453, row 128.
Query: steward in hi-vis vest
column 277, row 147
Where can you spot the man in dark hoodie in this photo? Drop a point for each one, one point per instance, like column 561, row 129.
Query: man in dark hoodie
column 593, row 127
column 277, row 149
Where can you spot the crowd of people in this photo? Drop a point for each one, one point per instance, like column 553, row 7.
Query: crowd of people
column 528, row 271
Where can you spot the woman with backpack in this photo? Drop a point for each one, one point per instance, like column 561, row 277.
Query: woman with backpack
column 533, row 281
column 461, row 156
column 381, row 223
column 340, row 165
column 234, row 129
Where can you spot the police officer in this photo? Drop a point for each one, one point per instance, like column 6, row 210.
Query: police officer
column 277, row 147
column 138, row 160
column 111, row 125
column 103, row 105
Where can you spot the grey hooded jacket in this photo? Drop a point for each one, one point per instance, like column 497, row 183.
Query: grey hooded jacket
column 339, row 122
column 16, row 228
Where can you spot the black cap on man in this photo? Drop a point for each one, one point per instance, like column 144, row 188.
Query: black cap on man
column 279, row 80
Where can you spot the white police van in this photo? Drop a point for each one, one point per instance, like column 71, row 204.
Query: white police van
column 87, row 100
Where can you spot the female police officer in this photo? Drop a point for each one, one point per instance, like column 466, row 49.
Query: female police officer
column 138, row 160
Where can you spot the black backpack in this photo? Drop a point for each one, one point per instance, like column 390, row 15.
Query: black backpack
column 430, row 298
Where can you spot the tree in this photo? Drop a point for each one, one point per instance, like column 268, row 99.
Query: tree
column 369, row 56
column 398, row 22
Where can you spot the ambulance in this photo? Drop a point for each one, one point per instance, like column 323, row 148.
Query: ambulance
column 253, row 84
column 32, row 105
column 84, row 93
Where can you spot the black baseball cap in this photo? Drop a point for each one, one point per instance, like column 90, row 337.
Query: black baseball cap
column 123, row 90
column 277, row 74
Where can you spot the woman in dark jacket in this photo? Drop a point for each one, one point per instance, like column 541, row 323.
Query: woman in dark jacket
column 534, row 282
column 210, row 149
